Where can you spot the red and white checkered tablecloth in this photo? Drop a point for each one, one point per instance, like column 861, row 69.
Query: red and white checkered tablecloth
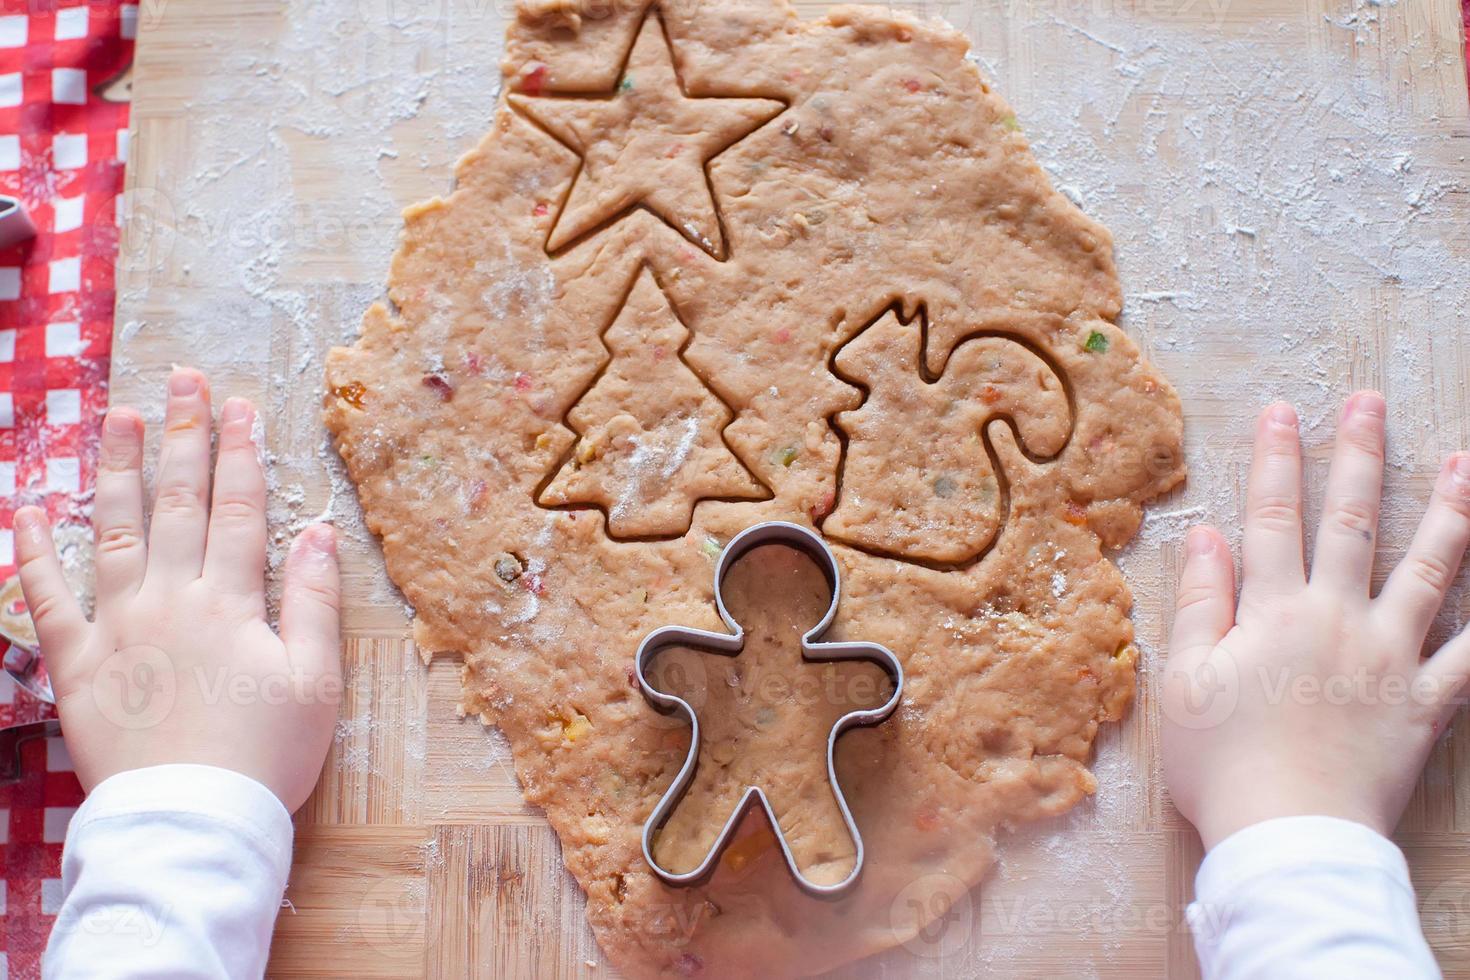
column 62, row 151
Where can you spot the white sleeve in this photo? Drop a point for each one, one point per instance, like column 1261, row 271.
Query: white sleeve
column 1307, row 897
column 171, row 871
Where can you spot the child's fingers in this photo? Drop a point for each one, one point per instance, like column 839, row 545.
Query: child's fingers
column 1272, row 550
column 117, row 516
column 60, row 625
column 311, row 598
column 180, row 514
column 1446, row 673
column 234, row 557
column 1344, row 555
column 1416, row 589
column 1204, row 609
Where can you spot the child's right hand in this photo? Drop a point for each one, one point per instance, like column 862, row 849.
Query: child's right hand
column 1310, row 698
column 180, row 664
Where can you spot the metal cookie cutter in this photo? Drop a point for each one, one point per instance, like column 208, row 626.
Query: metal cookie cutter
column 15, row 224
column 23, row 664
column 22, row 650
column 13, row 738
column 730, row 644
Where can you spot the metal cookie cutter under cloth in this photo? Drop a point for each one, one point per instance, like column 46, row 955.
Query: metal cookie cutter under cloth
column 730, row 644
column 23, row 664
column 15, row 222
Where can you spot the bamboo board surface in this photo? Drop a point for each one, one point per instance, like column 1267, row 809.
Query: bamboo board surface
column 1287, row 181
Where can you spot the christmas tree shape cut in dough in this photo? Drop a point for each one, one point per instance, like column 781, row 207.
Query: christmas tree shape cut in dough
column 646, row 143
column 950, row 493
column 650, row 431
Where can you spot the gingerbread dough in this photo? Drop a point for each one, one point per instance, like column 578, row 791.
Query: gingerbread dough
column 712, row 266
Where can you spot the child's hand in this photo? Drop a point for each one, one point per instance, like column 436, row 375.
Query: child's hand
column 1311, row 697
column 180, row 664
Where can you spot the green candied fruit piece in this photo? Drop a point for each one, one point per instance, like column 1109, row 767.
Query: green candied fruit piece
column 1097, row 343
column 786, row 455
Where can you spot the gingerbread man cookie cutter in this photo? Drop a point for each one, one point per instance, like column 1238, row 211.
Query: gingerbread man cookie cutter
column 731, row 644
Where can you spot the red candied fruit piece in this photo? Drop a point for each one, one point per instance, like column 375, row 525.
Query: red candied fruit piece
column 823, row 507
column 534, row 80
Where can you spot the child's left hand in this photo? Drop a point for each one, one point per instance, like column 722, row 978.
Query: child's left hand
column 180, row 665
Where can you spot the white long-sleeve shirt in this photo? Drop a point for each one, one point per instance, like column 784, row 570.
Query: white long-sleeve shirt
column 1305, row 898
column 171, row 871
column 178, row 871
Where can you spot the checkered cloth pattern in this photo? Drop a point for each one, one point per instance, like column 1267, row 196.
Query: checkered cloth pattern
column 62, row 151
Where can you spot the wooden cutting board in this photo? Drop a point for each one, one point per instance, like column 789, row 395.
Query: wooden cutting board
column 1287, row 181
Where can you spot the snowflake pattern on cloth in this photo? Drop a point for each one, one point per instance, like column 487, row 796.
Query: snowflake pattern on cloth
column 63, row 146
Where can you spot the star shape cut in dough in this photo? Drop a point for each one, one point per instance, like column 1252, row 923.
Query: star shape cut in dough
column 647, row 144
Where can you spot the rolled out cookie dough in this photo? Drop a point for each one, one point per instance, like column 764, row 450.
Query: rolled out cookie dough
column 714, row 265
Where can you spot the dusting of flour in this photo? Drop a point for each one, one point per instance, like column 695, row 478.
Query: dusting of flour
column 1286, row 227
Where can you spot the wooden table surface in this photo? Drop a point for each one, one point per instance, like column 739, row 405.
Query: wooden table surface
column 1287, row 181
